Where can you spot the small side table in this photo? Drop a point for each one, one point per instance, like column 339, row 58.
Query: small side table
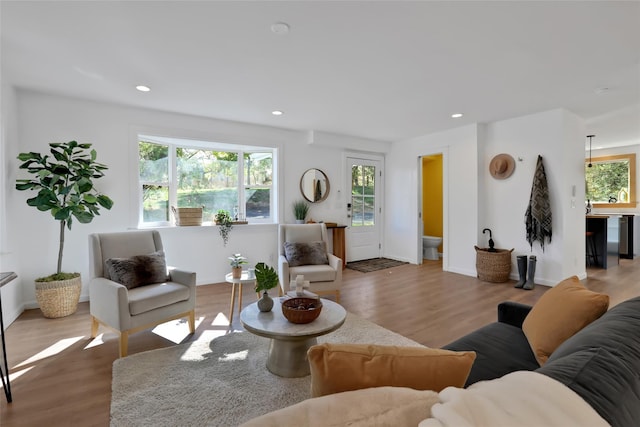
column 4, row 279
column 244, row 278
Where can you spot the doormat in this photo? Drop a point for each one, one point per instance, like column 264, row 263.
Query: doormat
column 374, row 264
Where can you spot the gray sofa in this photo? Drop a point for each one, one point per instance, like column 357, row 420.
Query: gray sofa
column 601, row 363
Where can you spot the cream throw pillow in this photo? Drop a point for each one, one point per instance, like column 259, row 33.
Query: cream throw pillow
column 559, row 313
column 342, row 367
column 381, row 406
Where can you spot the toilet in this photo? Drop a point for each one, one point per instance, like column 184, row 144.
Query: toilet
column 430, row 247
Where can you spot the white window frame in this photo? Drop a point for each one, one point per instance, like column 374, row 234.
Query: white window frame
column 173, row 143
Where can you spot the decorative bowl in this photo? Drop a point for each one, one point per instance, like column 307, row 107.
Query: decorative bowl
column 301, row 310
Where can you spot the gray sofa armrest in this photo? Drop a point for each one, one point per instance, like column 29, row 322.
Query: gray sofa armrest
column 104, row 295
column 513, row 313
column 182, row 276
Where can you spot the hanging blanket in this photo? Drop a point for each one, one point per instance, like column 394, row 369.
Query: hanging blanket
column 538, row 215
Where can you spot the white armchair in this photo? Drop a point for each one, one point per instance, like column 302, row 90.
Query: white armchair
column 323, row 278
column 129, row 310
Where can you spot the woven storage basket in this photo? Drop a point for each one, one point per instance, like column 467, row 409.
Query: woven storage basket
column 493, row 266
column 187, row 216
column 59, row 298
column 301, row 316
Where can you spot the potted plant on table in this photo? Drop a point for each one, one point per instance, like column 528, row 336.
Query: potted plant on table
column 300, row 211
column 266, row 278
column 225, row 222
column 236, row 261
column 65, row 186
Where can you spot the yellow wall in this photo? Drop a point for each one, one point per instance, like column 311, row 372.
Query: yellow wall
column 432, row 195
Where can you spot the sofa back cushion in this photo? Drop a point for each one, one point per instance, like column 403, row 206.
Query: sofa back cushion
column 561, row 312
column 500, row 349
column 343, row 367
column 602, row 364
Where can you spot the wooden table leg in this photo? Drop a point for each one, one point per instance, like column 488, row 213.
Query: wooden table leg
column 240, row 298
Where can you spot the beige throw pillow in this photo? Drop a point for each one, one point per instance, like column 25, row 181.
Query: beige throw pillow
column 561, row 312
column 342, row 367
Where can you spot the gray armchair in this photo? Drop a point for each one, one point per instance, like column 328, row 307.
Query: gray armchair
column 129, row 309
column 324, row 278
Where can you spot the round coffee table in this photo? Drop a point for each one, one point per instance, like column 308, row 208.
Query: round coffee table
column 290, row 341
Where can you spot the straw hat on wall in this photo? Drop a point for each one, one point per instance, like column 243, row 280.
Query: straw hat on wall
column 502, row 166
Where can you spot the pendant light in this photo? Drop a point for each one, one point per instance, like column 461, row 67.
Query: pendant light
column 590, row 136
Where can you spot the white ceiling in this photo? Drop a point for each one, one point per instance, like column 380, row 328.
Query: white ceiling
column 380, row 70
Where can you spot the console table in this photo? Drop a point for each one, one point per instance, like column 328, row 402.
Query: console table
column 338, row 242
column 6, row 385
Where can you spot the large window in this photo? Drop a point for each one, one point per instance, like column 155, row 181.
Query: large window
column 185, row 173
column 611, row 181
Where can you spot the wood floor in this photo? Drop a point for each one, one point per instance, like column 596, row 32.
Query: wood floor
column 60, row 377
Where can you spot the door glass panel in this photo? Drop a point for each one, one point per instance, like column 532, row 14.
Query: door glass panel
column 363, row 187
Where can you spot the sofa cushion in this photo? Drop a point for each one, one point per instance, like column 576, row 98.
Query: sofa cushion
column 311, row 253
column 138, row 270
column 147, row 298
column 500, row 349
column 342, row 367
column 561, row 312
column 602, row 364
column 314, row 273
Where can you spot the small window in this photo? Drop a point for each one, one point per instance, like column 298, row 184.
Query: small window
column 186, row 173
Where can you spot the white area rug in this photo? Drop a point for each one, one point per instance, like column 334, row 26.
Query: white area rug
column 223, row 382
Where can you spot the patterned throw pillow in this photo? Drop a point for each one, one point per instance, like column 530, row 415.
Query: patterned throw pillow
column 138, row 270
column 312, row 253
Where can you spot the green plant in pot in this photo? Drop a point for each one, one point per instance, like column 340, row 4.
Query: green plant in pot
column 225, row 223
column 236, row 261
column 266, row 278
column 300, row 211
column 64, row 180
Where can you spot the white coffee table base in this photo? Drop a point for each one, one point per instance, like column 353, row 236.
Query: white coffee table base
column 289, row 342
column 288, row 358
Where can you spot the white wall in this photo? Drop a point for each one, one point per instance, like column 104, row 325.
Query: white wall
column 460, row 164
column 558, row 137
column 474, row 200
column 45, row 118
column 11, row 292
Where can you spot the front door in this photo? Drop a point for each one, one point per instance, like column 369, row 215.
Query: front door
column 364, row 209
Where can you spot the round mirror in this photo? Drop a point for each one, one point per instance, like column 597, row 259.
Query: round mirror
column 314, row 185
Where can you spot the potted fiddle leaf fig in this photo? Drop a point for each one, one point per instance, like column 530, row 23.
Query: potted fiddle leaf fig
column 266, row 278
column 64, row 179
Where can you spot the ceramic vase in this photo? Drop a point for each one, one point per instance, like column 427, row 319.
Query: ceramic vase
column 265, row 303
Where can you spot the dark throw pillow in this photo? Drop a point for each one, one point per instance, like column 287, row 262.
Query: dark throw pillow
column 138, row 270
column 312, row 253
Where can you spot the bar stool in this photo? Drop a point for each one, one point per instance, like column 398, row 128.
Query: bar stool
column 592, row 250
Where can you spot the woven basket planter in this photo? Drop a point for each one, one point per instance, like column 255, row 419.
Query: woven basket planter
column 187, row 216
column 59, row 298
column 493, row 266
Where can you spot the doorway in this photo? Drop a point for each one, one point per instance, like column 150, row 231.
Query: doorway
column 364, row 208
column 432, row 201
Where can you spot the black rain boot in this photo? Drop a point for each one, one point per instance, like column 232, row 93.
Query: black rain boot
column 532, row 272
column 522, row 270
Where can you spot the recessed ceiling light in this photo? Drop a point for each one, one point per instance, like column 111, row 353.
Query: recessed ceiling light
column 277, row 113
column 280, row 28
column 143, row 88
column 456, row 115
